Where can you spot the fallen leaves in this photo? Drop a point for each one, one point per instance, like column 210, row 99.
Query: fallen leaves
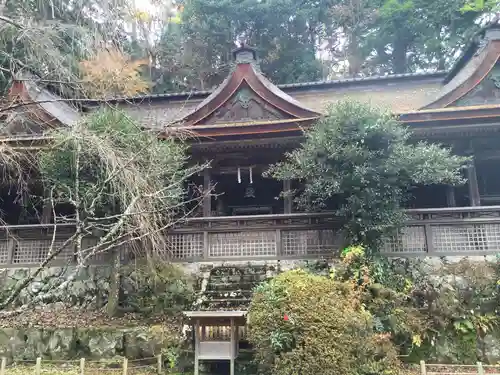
column 69, row 317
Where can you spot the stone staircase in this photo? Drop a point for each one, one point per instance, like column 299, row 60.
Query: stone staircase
column 229, row 287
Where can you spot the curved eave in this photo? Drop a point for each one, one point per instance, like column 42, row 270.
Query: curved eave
column 488, row 59
column 254, row 129
column 455, row 120
column 469, row 50
column 21, row 102
column 48, row 108
column 245, row 73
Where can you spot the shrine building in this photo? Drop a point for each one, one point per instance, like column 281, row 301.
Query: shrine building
column 248, row 123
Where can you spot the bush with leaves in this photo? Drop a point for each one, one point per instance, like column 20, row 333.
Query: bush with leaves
column 360, row 162
column 440, row 314
column 310, row 324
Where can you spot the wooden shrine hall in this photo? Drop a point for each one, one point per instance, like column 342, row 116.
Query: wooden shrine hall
column 248, row 123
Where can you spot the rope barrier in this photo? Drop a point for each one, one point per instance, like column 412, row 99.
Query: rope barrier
column 141, row 366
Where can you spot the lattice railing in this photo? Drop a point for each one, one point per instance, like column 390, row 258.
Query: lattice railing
column 256, row 237
column 28, row 245
column 448, row 231
column 438, row 232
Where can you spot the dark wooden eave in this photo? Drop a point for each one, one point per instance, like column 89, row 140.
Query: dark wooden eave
column 462, row 121
column 244, row 130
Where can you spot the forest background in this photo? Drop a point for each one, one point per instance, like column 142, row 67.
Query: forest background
column 185, row 45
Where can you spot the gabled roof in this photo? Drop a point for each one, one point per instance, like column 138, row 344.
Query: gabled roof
column 246, row 105
column 473, row 79
column 246, row 96
column 43, row 107
column 398, row 93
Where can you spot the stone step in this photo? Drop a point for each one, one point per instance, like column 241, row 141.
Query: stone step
column 214, row 286
column 238, row 271
column 220, row 300
column 219, row 304
column 238, row 278
column 228, row 293
column 231, row 287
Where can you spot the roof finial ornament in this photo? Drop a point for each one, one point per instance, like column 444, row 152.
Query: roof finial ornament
column 244, row 54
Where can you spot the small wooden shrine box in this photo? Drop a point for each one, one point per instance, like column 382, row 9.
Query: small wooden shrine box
column 219, row 346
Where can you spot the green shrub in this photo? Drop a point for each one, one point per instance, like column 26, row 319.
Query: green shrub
column 443, row 314
column 300, row 323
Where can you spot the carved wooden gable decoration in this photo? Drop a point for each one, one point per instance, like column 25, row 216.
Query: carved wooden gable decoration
column 246, row 96
column 245, row 106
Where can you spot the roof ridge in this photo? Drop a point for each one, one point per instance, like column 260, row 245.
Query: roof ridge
column 293, row 85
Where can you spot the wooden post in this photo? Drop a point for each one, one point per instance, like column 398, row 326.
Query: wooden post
column 207, row 197
column 422, row 368
column 47, row 208
column 82, row 366
column 233, row 348
column 450, row 196
column 206, row 245
column 159, row 363
column 480, row 369
column 474, row 196
column 38, row 366
column 279, row 244
column 11, row 248
column 3, row 365
column 429, row 241
column 196, row 346
column 125, row 366
column 287, row 187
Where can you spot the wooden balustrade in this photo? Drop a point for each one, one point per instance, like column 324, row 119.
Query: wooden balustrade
column 438, row 232
column 466, row 231
column 256, row 237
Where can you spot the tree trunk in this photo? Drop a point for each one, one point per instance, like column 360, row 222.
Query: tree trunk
column 114, row 285
column 354, row 55
column 399, row 57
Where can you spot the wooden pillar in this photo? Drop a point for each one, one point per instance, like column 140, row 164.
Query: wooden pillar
column 474, row 197
column 450, row 196
column 196, row 346
column 287, row 187
column 207, row 197
column 233, row 348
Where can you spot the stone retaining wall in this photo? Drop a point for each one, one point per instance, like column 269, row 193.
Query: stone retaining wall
column 18, row 344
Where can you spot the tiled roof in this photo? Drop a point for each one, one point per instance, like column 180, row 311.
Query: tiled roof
column 288, row 87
